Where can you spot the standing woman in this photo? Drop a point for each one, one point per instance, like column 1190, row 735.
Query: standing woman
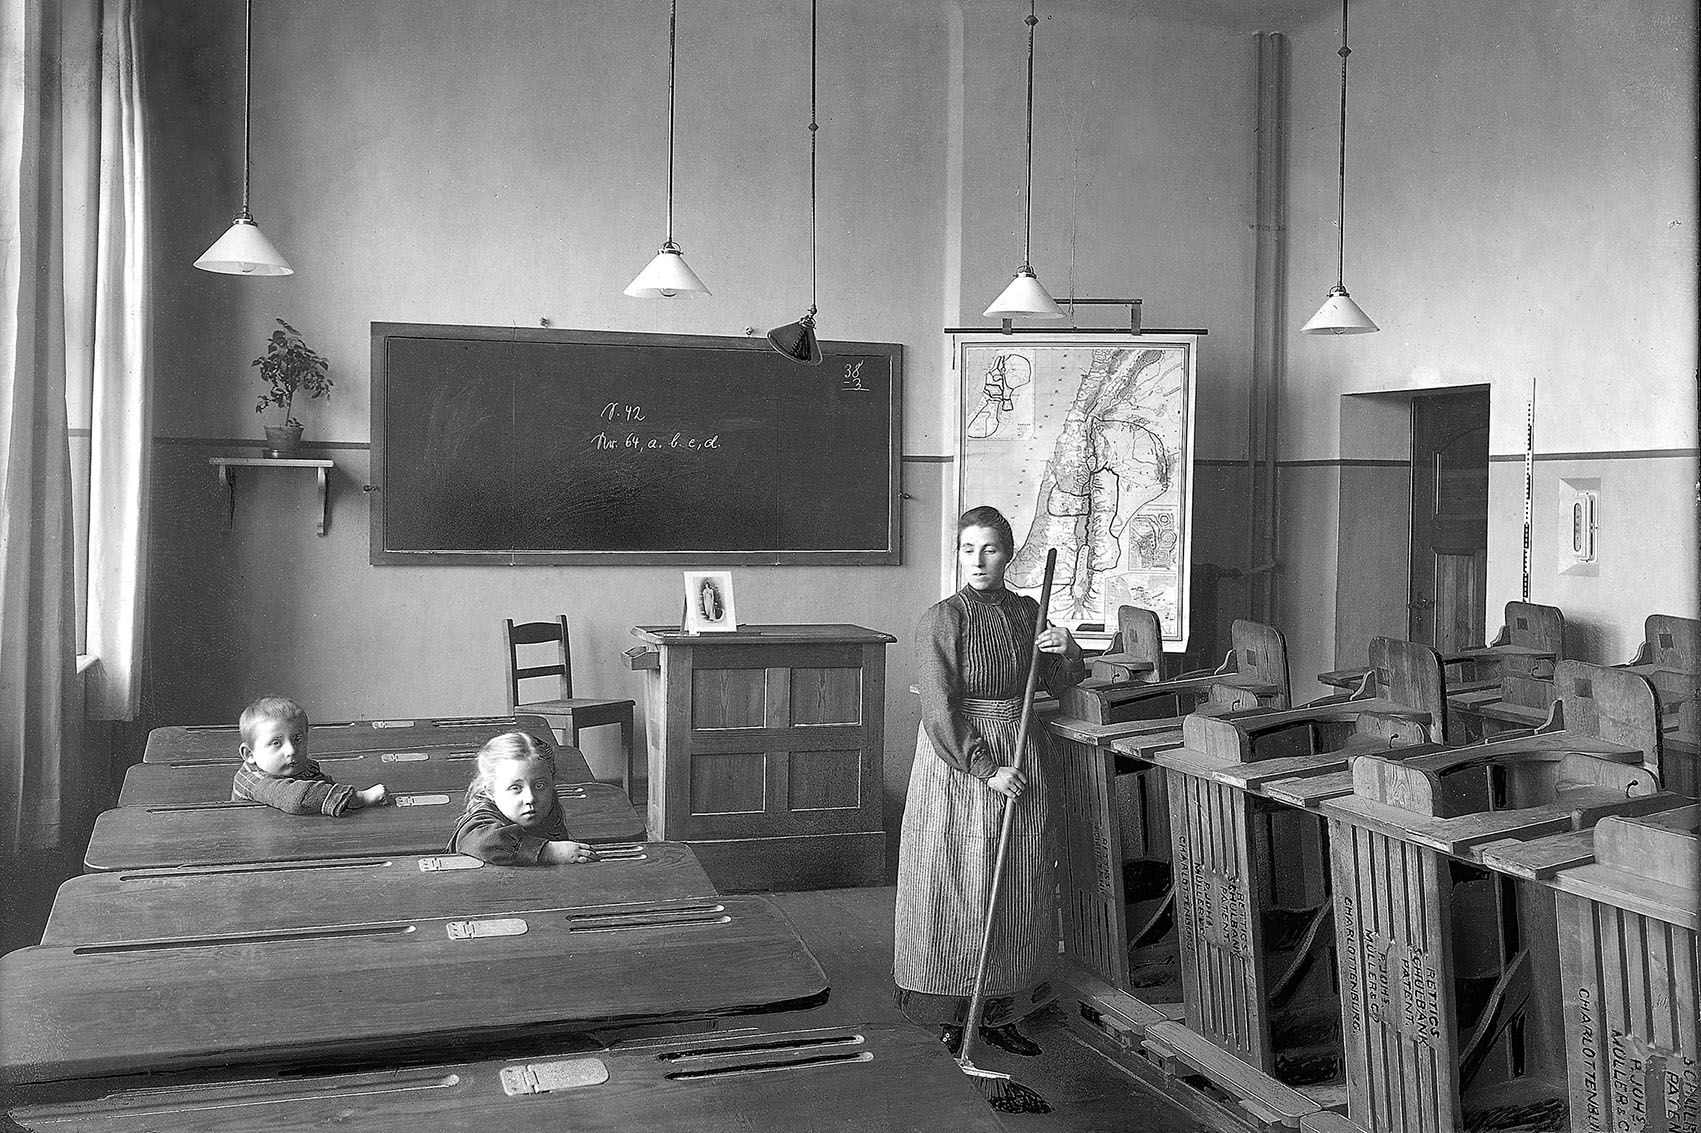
column 972, row 654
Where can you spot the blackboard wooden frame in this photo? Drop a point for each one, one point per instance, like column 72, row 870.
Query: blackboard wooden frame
column 881, row 550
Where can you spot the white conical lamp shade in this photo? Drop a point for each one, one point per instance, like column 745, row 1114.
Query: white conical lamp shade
column 1339, row 315
column 244, row 250
column 1025, row 298
column 668, row 276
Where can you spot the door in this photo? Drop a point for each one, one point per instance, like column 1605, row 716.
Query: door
column 1449, row 569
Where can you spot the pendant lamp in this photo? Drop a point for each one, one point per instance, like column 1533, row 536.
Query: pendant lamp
column 668, row 276
column 1026, row 297
column 797, row 340
column 244, row 249
column 1339, row 314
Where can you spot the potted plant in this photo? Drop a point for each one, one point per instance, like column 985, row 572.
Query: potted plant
column 289, row 365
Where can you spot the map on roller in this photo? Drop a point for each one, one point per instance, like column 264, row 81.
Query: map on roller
column 1086, row 445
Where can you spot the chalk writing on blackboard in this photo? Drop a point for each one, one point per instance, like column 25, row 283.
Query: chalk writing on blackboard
column 655, row 442
column 573, row 447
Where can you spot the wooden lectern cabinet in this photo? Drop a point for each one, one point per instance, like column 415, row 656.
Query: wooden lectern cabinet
column 765, row 751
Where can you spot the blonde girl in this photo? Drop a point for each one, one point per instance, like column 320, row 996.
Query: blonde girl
column 513, row 816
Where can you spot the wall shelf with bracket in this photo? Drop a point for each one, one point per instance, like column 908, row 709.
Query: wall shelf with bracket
column 227, row 466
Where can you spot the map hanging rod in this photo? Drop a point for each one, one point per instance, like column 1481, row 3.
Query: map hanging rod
column 1012, row 330
column 1072, row 302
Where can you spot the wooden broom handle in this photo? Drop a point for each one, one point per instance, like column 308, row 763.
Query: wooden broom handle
column 977, row 999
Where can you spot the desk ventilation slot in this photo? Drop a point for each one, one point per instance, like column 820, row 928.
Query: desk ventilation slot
column 263, row 868
column 162, row 1101
column 277, row 936
column 648, row 918
column 732, row 1048
column 772, row 1067
column 621, row 852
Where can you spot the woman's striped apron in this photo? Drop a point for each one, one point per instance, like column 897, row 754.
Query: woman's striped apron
column 945, row 863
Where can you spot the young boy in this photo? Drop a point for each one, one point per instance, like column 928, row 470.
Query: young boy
column 276, row 771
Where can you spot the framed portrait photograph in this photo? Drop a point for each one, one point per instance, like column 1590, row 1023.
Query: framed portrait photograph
column 708, row 602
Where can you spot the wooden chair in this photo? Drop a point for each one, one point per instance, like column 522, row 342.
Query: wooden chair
column 577, row 713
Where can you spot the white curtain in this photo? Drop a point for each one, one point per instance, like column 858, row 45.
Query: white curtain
column 38, row 704
column 117, row 370
column 71, row 319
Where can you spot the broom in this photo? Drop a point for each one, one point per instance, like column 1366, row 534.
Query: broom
column 1003, row 1092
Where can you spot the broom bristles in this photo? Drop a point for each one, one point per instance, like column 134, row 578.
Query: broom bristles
column 1002, row 1092
column 1010, row 1096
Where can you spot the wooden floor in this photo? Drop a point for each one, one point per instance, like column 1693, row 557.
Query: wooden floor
column 850, row 932
column 27, row 885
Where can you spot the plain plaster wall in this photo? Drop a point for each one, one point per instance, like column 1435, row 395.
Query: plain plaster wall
column 1521, row 213
column 501, row 163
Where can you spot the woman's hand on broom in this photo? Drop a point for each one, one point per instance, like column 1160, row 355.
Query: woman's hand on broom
column 1008, row 782
column 1053, row 639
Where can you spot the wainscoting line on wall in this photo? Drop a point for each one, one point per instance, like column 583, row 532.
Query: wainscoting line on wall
column 253, row 442
column 1620, row 454
column 1344, row 462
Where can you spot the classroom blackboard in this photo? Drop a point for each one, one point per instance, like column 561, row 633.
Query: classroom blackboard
column 513, row 445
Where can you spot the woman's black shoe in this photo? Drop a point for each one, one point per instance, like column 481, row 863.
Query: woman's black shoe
column 952, row 1036
column 1009, row 1038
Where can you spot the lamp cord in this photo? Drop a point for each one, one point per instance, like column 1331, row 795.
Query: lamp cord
column 1341, row 219
column 1028, row 196
column 672, row 18
column 813, row 127
column 247, row 93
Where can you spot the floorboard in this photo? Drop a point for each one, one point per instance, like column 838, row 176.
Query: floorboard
column 850, row 932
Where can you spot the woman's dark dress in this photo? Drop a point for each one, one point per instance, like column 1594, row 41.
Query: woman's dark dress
column 972, row 657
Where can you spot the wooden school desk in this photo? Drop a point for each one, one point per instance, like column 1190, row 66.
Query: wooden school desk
column 1670, row 657
column 218, row 743
column 293, row 996
column 1631, row 977
column 1516, row 703
column 1254, row 673
column 426, row 771
column 1113, row 822
column 1448, row 974
column 1607, row 714
column 1530, row 640
column 1398, row 702
column 220, row 833
column 851, row 1079
column 1137, row 650
column 228, row 900
column 1252, row 908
